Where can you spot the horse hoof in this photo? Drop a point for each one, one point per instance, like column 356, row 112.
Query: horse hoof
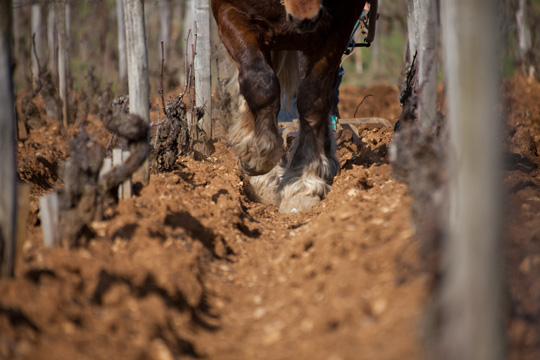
column 298, row 202
column 258, row 170
column 265, row 187
column 257, row 164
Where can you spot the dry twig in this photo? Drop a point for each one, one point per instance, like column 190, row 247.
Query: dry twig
column 361, row 102
column 160, row 91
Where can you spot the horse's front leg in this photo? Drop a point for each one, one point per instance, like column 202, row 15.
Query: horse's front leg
column 313, row 163
column 254, row 134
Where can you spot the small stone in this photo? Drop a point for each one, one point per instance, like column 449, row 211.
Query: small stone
column 352, row 192
column 377, row 307
column 525, row 266
column 220, row 304
column 259, row 312
column 115, row 294
column 529, row 263
column 68, row 328
column 99, row 227
column 272, row 337
column 160, row 350
column 346, row 215
column 306, row 325
column 224, row 267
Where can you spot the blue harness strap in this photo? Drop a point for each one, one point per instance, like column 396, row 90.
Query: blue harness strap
column 367, row 19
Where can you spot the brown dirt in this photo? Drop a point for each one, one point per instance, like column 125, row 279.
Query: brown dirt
column 192, row 267
column 522, row 249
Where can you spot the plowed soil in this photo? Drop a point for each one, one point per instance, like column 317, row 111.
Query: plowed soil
column 193, row 267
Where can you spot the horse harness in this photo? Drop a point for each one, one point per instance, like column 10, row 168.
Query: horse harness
column 367, row 23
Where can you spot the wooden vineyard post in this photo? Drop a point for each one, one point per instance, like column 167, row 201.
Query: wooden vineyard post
column 524, row 35
column 49, row 210
column 412, row 30
column 62, row 59
column 137, row 69
column 358, row 62
column 187, row 35
column 118, row 158
column 36, row 32
column 428, row 63
column 8, row 170
column 165, row 7
column 202, row 62
column 51, row 40
column 121, row 41
column 376, row 48
column 423, row 40
column 127, row 189
column 23, row 210
column 471, row 297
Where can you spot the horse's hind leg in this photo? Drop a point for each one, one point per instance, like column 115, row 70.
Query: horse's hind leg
column 254, row 134
column 313, row 163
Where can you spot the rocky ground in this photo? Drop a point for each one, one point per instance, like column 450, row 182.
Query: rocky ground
column 193, row 267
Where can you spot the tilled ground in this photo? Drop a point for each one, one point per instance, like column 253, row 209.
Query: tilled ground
column 192, row 267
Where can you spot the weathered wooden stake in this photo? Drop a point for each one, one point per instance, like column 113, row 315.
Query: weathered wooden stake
column 428, row 62
column 202, row 63
column 126, row 185
column 106, row 167
column 524, row 35
column 137, row 69
column 164, row 25
column 472, row 311
column 8, row 170
column 412, row 29
column 187, row 33
column 117, row 160
column 36, row 29
column 51, row 41
column 49, row 210
column 359, row 61
column 63, row 71
column 119, row 156
column 23, row 210
column 122, row 72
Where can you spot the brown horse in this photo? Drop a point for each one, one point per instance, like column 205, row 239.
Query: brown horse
column 264, row 38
